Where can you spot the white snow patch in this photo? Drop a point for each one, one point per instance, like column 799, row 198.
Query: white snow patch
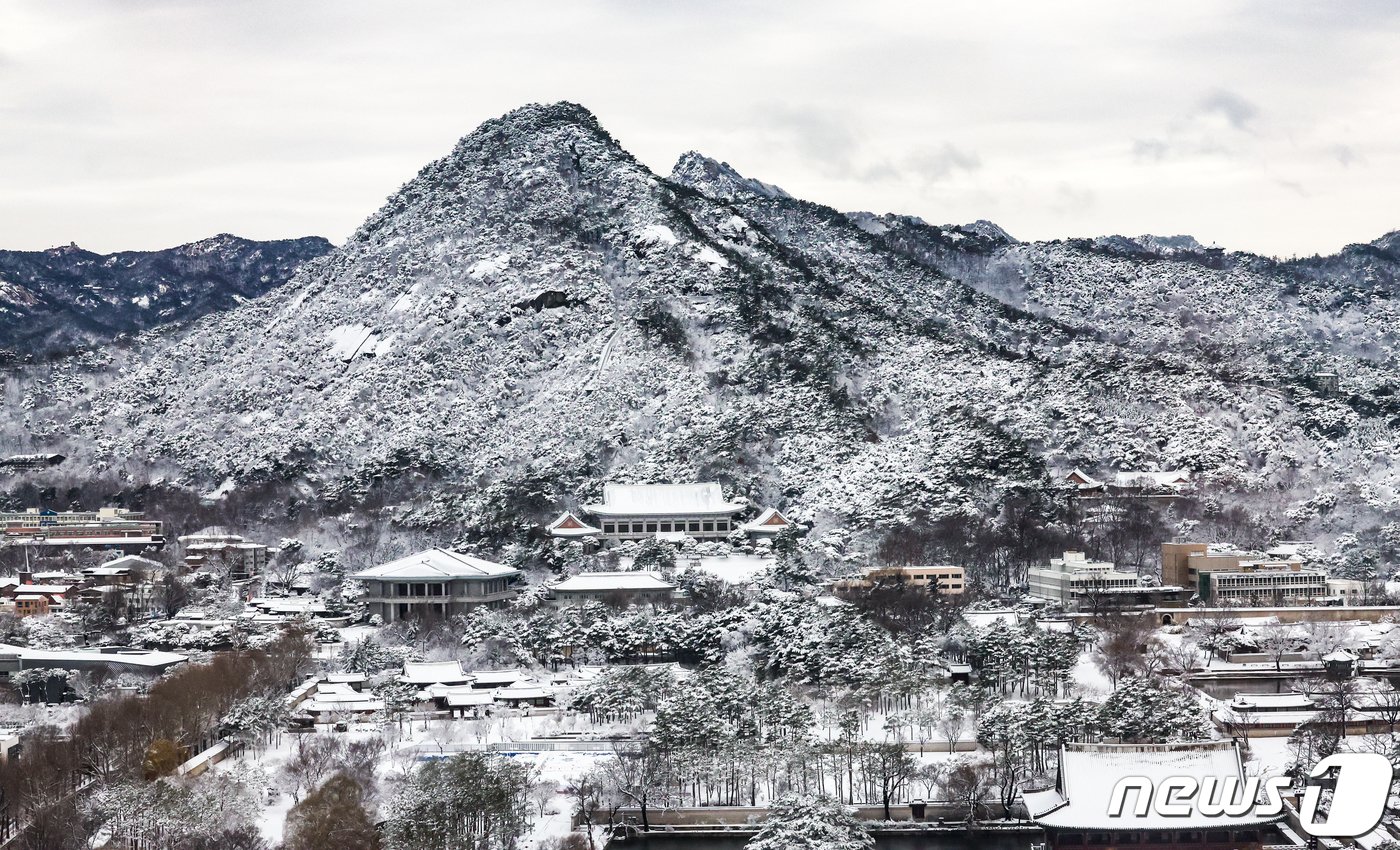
column 712, row 257
column 656, row 234
column 221, row 491
column 142, row 301
column 380, row 347
column 483, row 268
column 346, row 340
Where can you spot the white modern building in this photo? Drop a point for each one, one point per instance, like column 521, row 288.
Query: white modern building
column 1073, row 579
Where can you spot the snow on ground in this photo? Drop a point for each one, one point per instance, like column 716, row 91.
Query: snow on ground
column 1091, row 680
column 484, row 268
column 1268, row 756
column 656, row 234
column 712, row 257
column 345, row 340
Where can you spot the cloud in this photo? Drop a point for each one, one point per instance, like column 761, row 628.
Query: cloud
column 937, row 165
column 821, row 137
column 1346, row 155
column 1238, row 112
column 1071, row 199
column 1154, row 150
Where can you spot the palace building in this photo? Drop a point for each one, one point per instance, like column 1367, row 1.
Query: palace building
column 641, row 511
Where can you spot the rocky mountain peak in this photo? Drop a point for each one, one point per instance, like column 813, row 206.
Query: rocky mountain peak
column 720, row 180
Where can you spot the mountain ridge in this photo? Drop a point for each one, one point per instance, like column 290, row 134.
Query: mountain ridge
column 537, row 313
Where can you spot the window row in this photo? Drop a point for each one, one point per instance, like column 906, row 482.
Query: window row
column 721, row 526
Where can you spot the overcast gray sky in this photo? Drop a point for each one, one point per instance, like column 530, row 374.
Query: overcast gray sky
column 1265, row 126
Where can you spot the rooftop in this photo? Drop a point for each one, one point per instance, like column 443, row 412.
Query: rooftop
column 1090, row 772
column 604, row 582
column 568, row 525
column 664, row 500
column 436, row 565
column 434, row 673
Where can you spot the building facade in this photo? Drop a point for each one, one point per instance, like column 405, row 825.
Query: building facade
column 435, row 583
column 641, row 511
column 105, row 528
column 1073, row 579
column 633, row 587
column 215, row 548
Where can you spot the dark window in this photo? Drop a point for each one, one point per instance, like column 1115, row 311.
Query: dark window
column 722, row 525
column 1070, row 839
column 665, row 526
column 401, row 589
column 636, row 528
column 651, row 528
column 695, row 525
column 1221, row 837
column 609, row 528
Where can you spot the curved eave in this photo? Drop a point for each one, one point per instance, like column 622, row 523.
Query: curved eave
column 608, row 513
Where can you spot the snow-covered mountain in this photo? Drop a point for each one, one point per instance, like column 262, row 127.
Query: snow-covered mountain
column 537, row 313
column 63, row 299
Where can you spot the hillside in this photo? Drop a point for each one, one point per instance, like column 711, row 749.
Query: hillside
column 537, row 313
column 64, row 299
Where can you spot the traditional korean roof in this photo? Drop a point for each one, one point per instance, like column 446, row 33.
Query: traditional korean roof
column 496, row 678
column 1090, row 772
column 434, row 673
column 1152, row 480
column 466, row 699
column 331, row 698
column 525, row 693
column 1082, row 479
column 771, row 521
column 664, row 500
column 605, row 582
column 568, row 525
column 437, row 565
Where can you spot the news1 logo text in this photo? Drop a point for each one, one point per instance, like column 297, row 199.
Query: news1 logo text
column 1362, row 786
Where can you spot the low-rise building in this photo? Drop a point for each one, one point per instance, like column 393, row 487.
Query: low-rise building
column 1074, row 581
column 216, row 548
column 1267, row 583
column 1188, row 565
column 435, row 583
column 1346, row 591
column 641, row 587
column 31, row 461
column 105, row 528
